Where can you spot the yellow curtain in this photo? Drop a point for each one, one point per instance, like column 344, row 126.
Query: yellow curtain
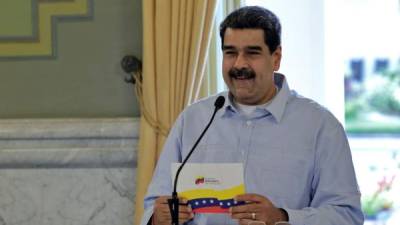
column 176, row 35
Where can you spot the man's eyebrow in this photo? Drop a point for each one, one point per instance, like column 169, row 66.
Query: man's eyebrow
column 255, row 47
column 228, row 47
column 251, row 47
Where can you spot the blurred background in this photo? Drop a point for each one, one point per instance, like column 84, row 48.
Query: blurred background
column 346, row 55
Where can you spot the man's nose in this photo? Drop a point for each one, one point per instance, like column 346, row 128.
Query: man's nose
column 241, row 61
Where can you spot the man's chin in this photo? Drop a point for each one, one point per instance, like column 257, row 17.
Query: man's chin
column 243, row 98
column 242, row 93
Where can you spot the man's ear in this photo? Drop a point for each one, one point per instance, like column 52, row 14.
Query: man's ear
column 277, row 56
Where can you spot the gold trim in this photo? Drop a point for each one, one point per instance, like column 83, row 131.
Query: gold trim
column 43, row 46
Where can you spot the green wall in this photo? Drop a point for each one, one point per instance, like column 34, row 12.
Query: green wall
column 18, row 14
column 85, row 78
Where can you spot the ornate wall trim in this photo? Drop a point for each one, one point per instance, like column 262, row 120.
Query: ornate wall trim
column 46, row 14
column 68, row 143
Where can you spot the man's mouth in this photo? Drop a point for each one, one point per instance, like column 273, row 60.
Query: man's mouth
column 242, row 77
column 241, row 74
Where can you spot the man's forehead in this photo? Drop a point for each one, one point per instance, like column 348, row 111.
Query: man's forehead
column 244, row 38
column 234, row 33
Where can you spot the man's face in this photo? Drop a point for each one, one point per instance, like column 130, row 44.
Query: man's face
column 248, row 66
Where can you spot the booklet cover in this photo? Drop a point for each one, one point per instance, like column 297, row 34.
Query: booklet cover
column 210, row 187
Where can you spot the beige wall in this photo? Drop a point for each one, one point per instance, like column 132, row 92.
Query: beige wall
column 85, row 78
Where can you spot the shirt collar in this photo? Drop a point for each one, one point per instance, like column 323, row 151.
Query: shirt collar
column 277, row 105
column 229, row 107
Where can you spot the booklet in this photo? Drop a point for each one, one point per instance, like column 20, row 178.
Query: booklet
column 210, row 187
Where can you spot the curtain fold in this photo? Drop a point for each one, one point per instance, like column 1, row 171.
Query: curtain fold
column 176, row 36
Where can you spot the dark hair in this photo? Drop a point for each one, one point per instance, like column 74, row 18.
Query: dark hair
column 254, row 17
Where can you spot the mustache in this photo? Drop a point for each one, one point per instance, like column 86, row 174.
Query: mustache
column 243, row 73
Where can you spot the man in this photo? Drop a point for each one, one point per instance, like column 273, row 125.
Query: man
column 296, row 158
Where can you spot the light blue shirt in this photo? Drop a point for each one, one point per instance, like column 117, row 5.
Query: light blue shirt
column 293, row 150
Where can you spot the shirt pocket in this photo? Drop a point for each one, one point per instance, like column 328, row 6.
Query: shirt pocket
column 276, row 174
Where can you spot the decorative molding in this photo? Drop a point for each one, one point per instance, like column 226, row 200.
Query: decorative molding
column 61, row 143
column 18, row 129
column 45, row 17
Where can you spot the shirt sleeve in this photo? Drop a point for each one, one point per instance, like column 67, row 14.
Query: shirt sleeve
column 147, row 215
column 335, row 193
column 161, row 183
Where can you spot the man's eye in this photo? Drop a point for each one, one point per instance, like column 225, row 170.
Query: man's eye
column 253, row 53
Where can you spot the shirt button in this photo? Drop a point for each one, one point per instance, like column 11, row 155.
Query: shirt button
column 248, row 123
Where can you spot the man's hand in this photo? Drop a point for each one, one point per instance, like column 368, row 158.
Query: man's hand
column 162, row 215
column 257, row 208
